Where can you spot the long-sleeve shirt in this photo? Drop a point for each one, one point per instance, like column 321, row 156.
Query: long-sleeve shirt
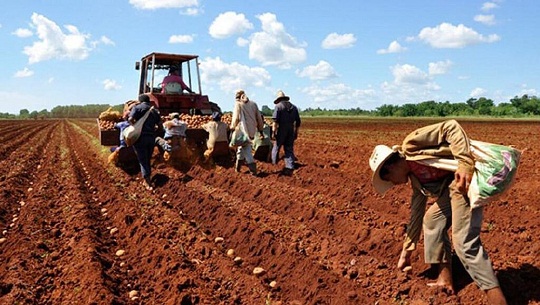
column 248, row 111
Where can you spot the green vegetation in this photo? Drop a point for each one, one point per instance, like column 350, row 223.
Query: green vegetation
column 524, row 106
column 71, row 111
column 517, row 107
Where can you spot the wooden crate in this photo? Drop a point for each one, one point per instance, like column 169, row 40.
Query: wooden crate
column 108, row 137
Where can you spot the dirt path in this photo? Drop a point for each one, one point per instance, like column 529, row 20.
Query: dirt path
column 80, row 231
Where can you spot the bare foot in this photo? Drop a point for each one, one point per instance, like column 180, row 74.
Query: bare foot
column 444, row 280
column 444, row 286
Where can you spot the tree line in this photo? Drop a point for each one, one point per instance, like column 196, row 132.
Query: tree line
column 524, row 106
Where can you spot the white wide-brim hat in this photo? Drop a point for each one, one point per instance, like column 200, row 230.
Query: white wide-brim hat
column 281, row 96
column 380, row 154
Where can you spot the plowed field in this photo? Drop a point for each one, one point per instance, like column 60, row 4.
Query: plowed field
column 77, row 230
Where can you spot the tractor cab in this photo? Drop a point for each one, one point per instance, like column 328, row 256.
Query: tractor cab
column 154, row 67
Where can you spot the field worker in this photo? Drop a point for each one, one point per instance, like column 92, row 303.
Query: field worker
column 174, row 78
column 286, row 122
column 174, row 127
column 398, row 165
column 218, row 140
column 121, row 126
column 115, row 150
column 124, row 123
column 246, row 116
column 174, row 138
column 144, row 146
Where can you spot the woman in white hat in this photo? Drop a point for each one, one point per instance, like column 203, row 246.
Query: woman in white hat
column 399, row 165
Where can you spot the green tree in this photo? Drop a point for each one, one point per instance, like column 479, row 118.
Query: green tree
column 23, row 114
column 266, row 111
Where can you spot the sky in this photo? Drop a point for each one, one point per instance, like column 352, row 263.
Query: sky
column 323, row 54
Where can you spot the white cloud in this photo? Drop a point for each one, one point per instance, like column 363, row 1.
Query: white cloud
column 394, row 47
column 409, row 74
column 447, row 35
column 228, row 24
column 336, row 96
column 24, row 73
column 231, row 76
column 487, row 6
column 22, row 33
column 337, row 41
column 110, row 85
column 485, row 19
column 181, row 39
column 440, row 67
column 54, row 44
column 478, row 92
column 106, row 40
column 400, row 93
column 274, row 46
column 322, row 70
column 157, row 4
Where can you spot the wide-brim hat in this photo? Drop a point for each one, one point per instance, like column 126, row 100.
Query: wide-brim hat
column 173, row 115
column 380, row 154
column 281, row 96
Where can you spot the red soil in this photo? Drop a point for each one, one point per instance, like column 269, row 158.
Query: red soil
column 322, row 235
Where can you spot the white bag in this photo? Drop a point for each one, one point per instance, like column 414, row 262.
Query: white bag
column 132, row 133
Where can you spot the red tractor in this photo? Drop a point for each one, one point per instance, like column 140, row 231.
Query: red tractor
column 152, row 66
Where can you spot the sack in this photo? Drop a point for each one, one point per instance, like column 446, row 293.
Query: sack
column 238, row 138
column 495, row 168
column 132, row 133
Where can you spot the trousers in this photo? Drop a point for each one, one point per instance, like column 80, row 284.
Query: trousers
column 452, row 209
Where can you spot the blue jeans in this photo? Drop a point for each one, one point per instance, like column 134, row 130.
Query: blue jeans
column 285, row 138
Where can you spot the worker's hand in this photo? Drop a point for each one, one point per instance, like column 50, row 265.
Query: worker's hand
column 404, row 259
column 261, row 135
column 463, row 180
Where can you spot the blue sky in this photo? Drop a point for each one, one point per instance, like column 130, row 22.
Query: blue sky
column 353, row 53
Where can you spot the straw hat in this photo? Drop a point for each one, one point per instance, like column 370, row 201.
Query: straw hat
column 380, row 154
column 281, row 96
